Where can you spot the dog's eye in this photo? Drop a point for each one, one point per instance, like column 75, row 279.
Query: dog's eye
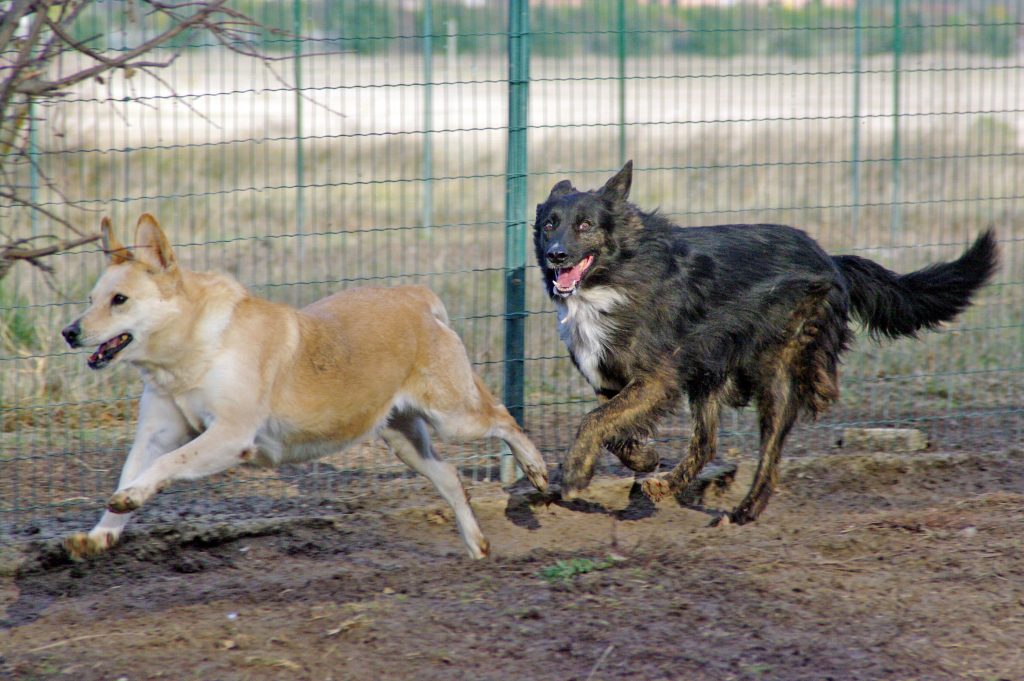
column 548, row 226
column 584, row 226
column 119, row 299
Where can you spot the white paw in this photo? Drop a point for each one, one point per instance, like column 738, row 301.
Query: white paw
column 539, row 478
column 81, row 545
column 126, row 500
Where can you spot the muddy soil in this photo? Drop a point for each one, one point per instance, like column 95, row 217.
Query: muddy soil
column 864, row 566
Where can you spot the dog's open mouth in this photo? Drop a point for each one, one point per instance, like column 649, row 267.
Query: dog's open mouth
column 108, row 350
column 567, row 279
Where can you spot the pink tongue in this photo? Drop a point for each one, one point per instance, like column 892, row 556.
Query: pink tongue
column 567, row 278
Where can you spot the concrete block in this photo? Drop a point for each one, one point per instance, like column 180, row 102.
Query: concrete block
column 885, row 439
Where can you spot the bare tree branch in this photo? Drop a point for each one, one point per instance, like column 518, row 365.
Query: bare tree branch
column 13, row 252
column 23, row 60
column 12, row 19
column 35, row 36
column 16, row 199
column 37, row 88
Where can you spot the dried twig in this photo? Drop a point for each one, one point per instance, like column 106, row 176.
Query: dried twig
column 75, row 639
column 600, row 661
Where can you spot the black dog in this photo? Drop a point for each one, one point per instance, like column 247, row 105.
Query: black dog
column 724, row 315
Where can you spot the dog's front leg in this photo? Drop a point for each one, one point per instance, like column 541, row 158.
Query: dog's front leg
column 635, row 454
column 222, row 446
column 161, row 429
column 631, row 415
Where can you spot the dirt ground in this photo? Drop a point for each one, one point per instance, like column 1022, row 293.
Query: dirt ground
column 864, row 566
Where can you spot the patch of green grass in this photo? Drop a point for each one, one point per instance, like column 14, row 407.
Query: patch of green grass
column 757, row 669
column 565, row 570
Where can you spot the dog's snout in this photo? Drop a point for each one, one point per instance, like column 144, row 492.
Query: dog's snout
column 72, row 333
column 556, row 254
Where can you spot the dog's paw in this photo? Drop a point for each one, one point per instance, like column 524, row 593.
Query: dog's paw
column 567, row 493
column 539, row 478
column 125, row 501
column 656, row 488
column 575, row 476
column 721, row 520
column 477, row 546
column 80, row 545
column 741, row 517
column 572, row 488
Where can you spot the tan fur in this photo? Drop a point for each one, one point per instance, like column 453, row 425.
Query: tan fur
column 230, row 377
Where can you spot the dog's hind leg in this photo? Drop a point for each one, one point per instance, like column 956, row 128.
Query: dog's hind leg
column 525, row 452
column 800, row 374
column 504, row 427
column 467, row 417
column 778, row 406
column 704, row 413
column 407, row 436
column 161, row 429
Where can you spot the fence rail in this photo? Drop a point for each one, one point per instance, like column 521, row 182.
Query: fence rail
column 406, row 142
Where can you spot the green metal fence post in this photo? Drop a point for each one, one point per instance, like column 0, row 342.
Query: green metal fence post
column 897, row 50
column 428, row 95
column 622, row 82
column 300, row 160
column 858, row 48
column 515, row 217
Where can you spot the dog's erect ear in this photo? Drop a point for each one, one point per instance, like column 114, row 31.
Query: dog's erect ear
column 152, row 247
column 114, row 249
column 561, row 189
column 617, row 188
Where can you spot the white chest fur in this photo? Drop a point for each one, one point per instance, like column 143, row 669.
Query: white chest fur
column 585, row 328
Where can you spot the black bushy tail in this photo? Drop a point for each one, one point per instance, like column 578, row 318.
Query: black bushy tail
column 894, row 305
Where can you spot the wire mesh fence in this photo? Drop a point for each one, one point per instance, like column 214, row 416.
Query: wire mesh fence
column 394, row 142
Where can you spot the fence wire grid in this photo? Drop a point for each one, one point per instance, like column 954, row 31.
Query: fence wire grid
column 393, row 142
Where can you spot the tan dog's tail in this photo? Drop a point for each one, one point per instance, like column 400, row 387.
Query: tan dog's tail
column 425, row 296
column 439, row 311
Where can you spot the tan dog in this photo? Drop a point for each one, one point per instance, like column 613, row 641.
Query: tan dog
column 231, row 378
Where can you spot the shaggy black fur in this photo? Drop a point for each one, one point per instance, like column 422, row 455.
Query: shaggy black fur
column 723, row 315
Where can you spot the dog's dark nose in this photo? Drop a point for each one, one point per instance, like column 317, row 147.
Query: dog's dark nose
column 71, row 334
column 556, row 255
